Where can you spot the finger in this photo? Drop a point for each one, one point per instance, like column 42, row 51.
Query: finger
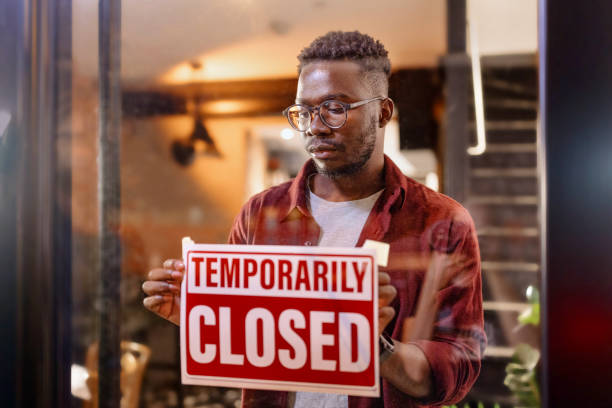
column 159, row 274
column 386, row 294
column 383, row 278
column 177, row 276
column 385, row 315
column 386, row 312
column 157, row 288
column 175, row 264
column 153, row 302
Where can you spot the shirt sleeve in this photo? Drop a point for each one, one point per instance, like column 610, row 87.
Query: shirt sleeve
column 239, row 234
column 458, row 341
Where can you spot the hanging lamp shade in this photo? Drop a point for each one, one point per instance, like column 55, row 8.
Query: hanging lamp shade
column 200, row 134
column 199, row 143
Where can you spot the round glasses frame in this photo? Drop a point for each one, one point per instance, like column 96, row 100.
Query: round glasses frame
column 312, row 109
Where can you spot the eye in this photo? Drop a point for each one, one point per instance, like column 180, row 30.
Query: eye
column 299, row 112
column 333, row 107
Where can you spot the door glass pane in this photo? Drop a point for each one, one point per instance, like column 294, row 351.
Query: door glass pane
column 203, row 88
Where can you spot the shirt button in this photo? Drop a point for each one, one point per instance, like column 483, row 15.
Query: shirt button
column 308, row 243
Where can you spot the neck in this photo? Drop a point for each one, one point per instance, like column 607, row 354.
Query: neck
column 361, row 184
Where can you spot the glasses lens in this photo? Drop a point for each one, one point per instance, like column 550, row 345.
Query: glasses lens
column 333, row 113
column 299, row 117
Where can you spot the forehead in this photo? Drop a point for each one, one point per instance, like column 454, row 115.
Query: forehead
column 322, row 79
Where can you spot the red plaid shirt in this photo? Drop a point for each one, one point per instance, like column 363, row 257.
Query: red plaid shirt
column 414, row 220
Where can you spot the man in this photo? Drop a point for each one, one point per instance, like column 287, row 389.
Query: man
column 349, row 192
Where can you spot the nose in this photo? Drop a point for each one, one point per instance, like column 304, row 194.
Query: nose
column 317, row 127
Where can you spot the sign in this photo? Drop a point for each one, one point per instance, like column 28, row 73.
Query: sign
column 280, row 318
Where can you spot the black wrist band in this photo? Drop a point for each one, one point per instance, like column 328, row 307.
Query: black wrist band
column 385, row 347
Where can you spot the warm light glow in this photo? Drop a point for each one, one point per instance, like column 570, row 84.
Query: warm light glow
column 287, row 134
column 229, row 106
column 392, row 148
column 212, row 69
column 241, row 60
column 431, row 181
column 78, row 382
column 481, row 143
column 505, row 27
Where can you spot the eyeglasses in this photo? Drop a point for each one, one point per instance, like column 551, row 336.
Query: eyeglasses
column 332, row 113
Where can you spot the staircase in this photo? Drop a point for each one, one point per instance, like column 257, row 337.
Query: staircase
column 503, row 199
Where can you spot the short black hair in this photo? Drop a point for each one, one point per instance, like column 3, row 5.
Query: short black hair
column 368, row 53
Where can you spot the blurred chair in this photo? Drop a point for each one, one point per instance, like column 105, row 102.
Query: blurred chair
column 134, row 359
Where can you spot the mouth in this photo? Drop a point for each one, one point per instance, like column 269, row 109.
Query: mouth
column 322, row 151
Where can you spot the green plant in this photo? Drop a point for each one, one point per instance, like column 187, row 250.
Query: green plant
column 520, row 376
column 520, row 372
column 466, row 405
column 531, row 315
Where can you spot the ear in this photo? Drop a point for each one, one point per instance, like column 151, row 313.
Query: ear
column 386, row 112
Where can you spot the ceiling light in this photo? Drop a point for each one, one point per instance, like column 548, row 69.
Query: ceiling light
column 200, row 142
column 287, row 134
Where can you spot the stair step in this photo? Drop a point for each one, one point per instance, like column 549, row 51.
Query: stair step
column 489, row 387
column 490, row 92
column 510, row 266
column 508, row 125
column 504, row 172
column 511, row 148
column 505, row 214
column 507, row 285
column 505, row 306
column 512, row 103
column 493, row 114
column 509, row 186
column 508, row 68
column 511, row 86
column 504, row 160
column 499, row 351
column 503, row 328
column 508, row 232
column 503, row 200
column 508, row 136
column 510, row 248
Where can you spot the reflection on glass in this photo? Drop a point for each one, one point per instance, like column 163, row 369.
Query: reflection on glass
column 229, row 67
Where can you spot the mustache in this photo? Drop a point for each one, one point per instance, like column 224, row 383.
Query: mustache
column 315, row 145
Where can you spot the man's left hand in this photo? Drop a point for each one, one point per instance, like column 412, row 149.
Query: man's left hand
column 386, row 294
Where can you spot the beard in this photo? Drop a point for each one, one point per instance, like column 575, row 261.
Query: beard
column 367, row 141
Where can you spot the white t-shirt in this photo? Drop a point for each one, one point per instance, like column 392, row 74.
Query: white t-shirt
column 341, row 224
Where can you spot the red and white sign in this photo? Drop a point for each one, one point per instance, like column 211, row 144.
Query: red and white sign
column 280, row 318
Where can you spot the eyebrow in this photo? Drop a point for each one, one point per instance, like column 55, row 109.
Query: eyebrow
column 325, row 98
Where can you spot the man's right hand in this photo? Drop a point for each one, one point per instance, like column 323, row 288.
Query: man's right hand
column 163, row 289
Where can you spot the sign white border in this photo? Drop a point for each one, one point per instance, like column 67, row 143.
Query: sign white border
column 367, row 391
